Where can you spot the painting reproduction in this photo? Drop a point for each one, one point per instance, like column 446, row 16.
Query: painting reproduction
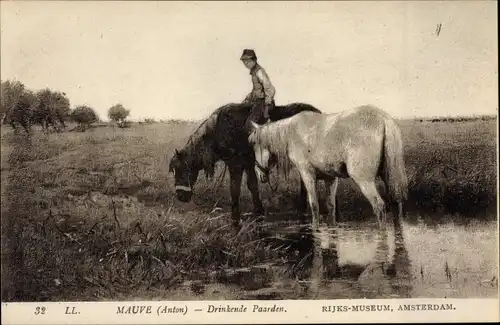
column 272, row 152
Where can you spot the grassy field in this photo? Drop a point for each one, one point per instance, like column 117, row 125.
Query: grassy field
column 92, row 216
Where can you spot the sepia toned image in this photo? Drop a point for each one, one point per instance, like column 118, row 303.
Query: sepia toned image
column 248, row 151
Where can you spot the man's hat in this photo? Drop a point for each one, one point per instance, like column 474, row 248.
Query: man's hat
column 248, row 54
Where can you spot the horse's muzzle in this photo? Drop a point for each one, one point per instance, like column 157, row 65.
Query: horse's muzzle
column 264, row 178
column 184, row 194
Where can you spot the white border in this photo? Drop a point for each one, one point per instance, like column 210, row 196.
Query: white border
column 297, row 311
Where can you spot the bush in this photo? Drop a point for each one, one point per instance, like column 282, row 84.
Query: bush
column 118, row 114
column 84, row 116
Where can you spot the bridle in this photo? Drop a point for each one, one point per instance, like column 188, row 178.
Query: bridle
column 188, row 177
column 263, row 169
column 267, row 172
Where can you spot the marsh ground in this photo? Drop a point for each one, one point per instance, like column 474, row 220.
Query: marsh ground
column 93, row 216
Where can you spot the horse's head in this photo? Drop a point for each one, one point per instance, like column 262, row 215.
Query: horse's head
column 265, row 160
column 185, row 175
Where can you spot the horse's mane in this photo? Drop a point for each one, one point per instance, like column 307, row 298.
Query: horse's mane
column 207, row 126
column 203, row 129
column 199, row 143
column 274, row 136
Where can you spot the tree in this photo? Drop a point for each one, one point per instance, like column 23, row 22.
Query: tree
column 118, row 114
column 11, row 92
column 61, row 106
column 22, row 112
column 51, row 107
column 20, row 105
column 16, row 104
column 84, row 116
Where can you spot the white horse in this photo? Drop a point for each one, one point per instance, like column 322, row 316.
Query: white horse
column 360, row 143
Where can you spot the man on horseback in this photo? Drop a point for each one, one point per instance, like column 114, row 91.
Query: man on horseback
column 262, row 95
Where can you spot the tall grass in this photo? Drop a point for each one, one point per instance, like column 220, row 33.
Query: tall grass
column 93, row 215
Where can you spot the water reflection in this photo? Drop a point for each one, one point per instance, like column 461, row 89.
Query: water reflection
column 323, row 269
column 374, row 281
column 357, row 260
column 402, row 274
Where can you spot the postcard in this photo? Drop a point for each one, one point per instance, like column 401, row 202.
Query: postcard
column 171, row 162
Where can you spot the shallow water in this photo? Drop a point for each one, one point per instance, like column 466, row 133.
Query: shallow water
column 357, row 260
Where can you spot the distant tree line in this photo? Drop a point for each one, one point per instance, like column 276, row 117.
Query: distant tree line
column 458, row 119
column 23, row 107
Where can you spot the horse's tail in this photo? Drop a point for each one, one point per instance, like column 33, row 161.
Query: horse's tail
column 394, row 173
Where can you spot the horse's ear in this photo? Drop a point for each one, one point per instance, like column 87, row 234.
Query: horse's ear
column 179, row 154
column 170, row 165
column 255, row 126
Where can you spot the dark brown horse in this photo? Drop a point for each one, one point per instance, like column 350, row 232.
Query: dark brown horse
column 223, row 136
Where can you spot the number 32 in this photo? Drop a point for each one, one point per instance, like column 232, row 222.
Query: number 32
column 40, row 310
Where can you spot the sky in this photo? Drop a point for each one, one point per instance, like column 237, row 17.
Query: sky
column 181, row 59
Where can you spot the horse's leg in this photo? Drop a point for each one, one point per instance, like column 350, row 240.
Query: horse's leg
column 309, row 179
column 253, row 187
column 385, row 195
column 392, row 205
column 397, row 209
column 331, row 188
column 369, row 189
column 235, row 173
column 302, row 204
